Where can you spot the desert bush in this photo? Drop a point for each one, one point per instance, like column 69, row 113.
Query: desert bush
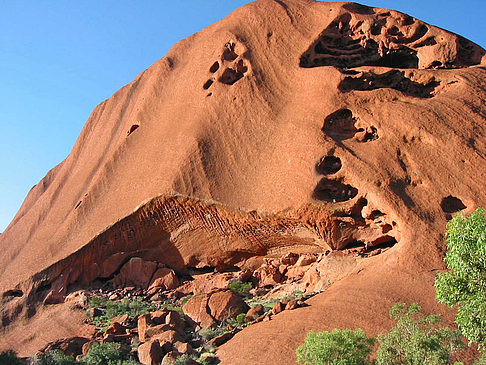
column 464, row 285
column 416, row 339
column 54, row 357
column 338, row 347
column 108, row 353
column 10, row 357
column 241, row 288
column 110, row 309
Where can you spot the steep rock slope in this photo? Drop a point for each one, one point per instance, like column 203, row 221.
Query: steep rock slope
column 287, row 126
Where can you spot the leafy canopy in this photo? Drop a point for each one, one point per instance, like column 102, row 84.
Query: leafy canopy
column 416, row 339
column 338, row 347
column 465, row 284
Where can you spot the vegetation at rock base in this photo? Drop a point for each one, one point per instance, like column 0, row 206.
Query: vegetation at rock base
column 417, row 339
column 240, row 288
column 338, row 347
column 464, row 285
column 108, row 353
column 10, row 357
column 111, row 309
column 54, row 357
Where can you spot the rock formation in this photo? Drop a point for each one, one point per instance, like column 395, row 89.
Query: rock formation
column 290, row 126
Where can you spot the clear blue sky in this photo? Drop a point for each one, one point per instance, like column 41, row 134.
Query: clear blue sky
column 59, row 59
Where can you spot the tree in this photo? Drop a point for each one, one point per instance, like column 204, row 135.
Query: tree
column 416, row 339
column 339, row 347
column 464, row 285
column 10, row 357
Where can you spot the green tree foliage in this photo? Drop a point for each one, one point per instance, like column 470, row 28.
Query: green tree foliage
column 10, row 357
column 416, row 339
column 338, row 347
column 465, row 284
column 54, row 357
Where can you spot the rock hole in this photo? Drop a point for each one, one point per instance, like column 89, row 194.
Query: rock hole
column 370, row 135
column 376, row 214
column 329, row 165
column 451, row 204
column 334, row 191
column 340, row 125
column 214, row 67
column 383, row 242
column 394, row 79
column 230, row 76
column 355, row 244
column 207, row 84
column 14, row 293
column 132, row 129
column 357, row 208
column 229, row 53
column 359, row 9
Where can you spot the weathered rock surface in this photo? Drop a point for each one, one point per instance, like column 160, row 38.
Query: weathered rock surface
column 289, row 126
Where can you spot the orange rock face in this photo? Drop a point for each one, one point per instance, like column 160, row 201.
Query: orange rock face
column 289, row 126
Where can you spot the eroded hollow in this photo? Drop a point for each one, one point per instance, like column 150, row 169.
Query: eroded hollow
column 207, row 84
column 230, row 76
column 340, row 125
column 334, row 191
column 214, row 67
column 132, row 129
column 329, row 165
column 394, row 79
column 15, row 293
column 451, row 204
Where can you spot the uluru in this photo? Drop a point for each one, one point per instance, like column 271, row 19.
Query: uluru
column 289, row 168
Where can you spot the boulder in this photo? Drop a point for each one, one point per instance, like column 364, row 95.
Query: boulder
column 278, row 307
column 183, row 348
column 136, row 272
column 196, row 309
column 224, row 304
column 221, row 339
column 165, row 279
column 150, row 353
column 254, row 312
column 305, row 260
column 158, row 316
column 267, row 275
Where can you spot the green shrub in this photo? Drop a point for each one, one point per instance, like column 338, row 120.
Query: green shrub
column 110, row 309
column 416, row 339
column 240, row 288
column 10, row 357
column 465, row 284
column 338, row 347
column 108, row 353
column 54, row 357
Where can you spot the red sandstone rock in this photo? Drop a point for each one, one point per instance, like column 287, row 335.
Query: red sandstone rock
column 196, row 309
column 164, row 278
column 137, row 272
column 324, row 124
column 158, row 316
column 150, row 353
column 267, row 275
column 183, row 348
column 226, row 304
column 292, row 304
column 278, row 307
column 219, row 340
column 254, row 312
